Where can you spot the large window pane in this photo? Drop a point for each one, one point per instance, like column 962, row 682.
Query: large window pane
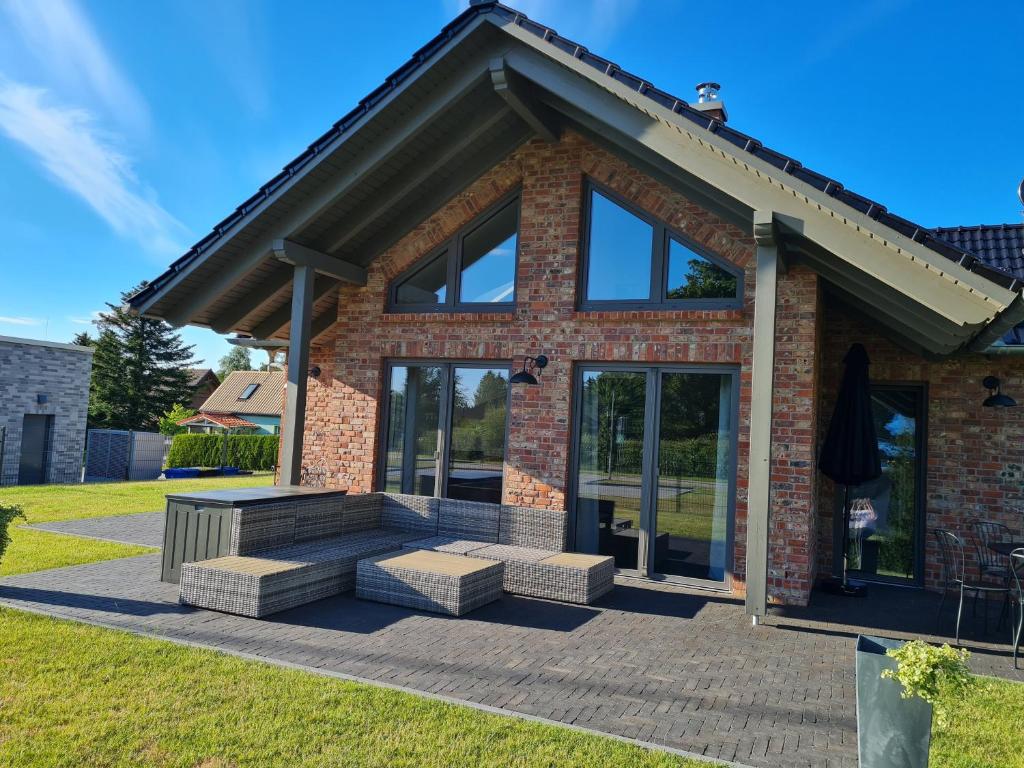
column 414, row 407
column 691, row 276
column 429, row 285
column 395, row 439
column 692, row 489
column 619, row 253
column 477, row 451
column 610, row 466
column 884, row 530
column 489, row 260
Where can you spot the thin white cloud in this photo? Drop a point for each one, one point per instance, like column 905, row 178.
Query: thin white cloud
column 85, row 160
column 79, row 320
column 59, row 36
column 6, row 320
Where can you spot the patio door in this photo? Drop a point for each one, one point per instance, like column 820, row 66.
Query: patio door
column 445, row 427
column 886, row 536
column 655, row 469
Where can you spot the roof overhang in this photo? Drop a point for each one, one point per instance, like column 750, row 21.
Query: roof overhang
column 475, row 94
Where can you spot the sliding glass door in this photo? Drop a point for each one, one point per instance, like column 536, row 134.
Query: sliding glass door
column 654, row 475
column 445, row 428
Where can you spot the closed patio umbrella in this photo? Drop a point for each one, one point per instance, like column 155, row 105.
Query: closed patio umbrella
column 850, row 453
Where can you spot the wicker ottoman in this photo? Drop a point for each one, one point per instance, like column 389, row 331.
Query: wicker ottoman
column 430, row 581
column 569, row 577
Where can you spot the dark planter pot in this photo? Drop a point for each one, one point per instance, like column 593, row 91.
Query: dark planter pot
column 892, row 732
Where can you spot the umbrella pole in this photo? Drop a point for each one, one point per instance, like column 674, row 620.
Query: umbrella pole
column 846, row 530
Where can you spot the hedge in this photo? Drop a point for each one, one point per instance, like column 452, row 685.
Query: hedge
column 205, row 450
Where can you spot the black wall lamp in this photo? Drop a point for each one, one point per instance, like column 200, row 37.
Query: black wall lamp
column 996, row 399
column 530, row 364
column 315, row 371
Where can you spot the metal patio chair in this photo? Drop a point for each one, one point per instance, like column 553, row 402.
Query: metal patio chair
column 986, row 533
column 1017, row 571
column 954, row 577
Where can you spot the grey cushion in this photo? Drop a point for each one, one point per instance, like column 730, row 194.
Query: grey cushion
column 468, row 520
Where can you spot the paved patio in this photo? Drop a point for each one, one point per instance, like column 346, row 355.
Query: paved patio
column 146, row 528
column 678, row 668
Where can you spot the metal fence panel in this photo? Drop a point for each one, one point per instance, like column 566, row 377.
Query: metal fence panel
column 147, row 456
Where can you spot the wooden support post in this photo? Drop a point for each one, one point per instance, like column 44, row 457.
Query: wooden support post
column 762, row 376
column 294, row 421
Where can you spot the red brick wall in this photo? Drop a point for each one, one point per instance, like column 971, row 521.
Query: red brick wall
column 975, row 454
column 344, row 410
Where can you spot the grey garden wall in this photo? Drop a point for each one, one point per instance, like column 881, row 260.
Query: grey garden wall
column 60, row 373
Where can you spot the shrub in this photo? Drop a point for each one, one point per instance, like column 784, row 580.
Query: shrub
column 168, row 423
column 939, row 675
column 8, row 514
column 254, row 452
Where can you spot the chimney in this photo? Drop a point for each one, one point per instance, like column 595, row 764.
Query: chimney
column 709, row 103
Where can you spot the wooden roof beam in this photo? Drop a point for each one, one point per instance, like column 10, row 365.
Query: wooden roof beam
column 516, row 93
column 298, row 255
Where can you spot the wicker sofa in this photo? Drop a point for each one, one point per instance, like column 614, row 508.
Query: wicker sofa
column 530, row 542
column 282, row 555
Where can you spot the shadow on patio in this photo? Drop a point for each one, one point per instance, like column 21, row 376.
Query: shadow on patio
column 906, row 613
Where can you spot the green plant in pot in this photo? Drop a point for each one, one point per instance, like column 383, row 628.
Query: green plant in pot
column 8, row 514
column 899, row 688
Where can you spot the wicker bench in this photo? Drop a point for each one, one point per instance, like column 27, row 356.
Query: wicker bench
column 430, row 581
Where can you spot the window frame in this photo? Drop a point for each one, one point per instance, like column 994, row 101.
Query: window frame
column 453, row 282
column 661, row 238
column 249, row 391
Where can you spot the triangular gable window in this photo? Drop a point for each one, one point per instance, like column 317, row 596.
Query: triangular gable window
column 474, row 271
column 633, row 260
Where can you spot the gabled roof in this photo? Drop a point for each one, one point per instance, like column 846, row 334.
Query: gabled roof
column 265, row 400
column 356, row 190
column 226, row 420
column 196, row 376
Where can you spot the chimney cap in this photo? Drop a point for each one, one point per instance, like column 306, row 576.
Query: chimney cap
column 707, row 91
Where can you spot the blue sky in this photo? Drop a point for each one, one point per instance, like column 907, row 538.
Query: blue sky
column 128, row 129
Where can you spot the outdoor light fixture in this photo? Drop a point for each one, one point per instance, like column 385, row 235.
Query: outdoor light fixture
column 530, row 364
column 996, row 399
column 315, row 371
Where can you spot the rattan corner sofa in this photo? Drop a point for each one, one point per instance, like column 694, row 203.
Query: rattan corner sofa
column 282, row 556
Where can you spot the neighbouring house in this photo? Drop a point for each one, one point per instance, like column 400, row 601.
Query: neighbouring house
column 44, row 402
column 246, row 402
column 203, row 382
column 508, row 197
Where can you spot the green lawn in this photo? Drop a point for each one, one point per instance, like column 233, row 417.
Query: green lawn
column 46, row 503
column 114, row 699
column 987, row 732
column 32, row 550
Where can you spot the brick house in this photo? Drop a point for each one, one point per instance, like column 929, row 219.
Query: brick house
column 508, row 196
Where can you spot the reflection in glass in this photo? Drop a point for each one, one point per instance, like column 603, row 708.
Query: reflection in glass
column 477, row 451
column 691, row 276
column 414, row 409
column 692, row 488
column 619, row 252
column 883, row 512
column 489, row 259
column 610, row 466
column 428, row 285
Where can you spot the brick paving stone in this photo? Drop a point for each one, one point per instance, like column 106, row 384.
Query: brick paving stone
column 682, row 669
